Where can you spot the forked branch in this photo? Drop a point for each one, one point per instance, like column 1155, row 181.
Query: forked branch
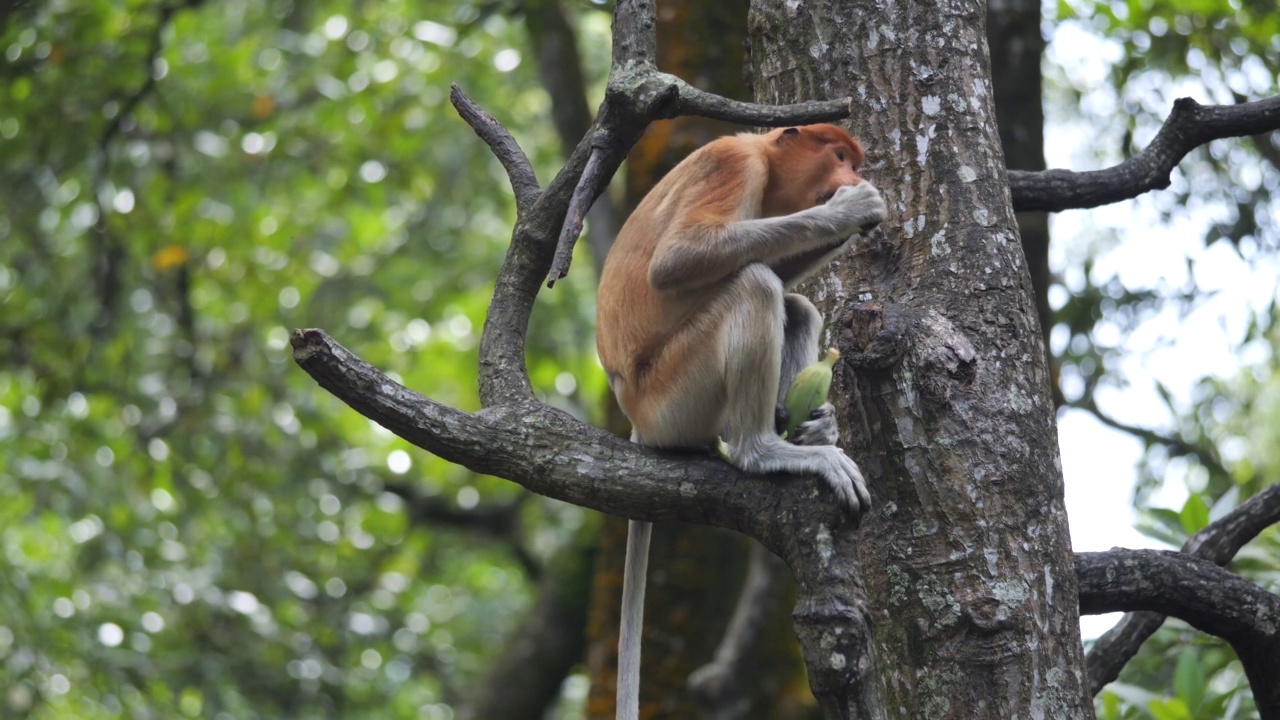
column 1217, row 543
column 1207, row 597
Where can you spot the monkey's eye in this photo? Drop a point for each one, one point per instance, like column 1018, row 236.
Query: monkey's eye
column 840, row 155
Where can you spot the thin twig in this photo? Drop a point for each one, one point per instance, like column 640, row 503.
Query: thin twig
column 524, row 183
column 1206, row 455
column 590, row 185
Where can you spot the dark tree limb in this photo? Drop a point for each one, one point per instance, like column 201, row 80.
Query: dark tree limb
column 1217, row 543
column 493, row 519
column 1189, row 126
column 554, row 454
column 1262, row 141
column 525, row 677
column 523, row 180
column 1205, row 596
column 500, row 521
column 717, row 685
column 555, row 47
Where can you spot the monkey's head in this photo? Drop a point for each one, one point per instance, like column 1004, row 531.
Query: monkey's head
column 807, row 165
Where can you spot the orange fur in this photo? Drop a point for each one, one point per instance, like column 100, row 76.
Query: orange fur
column 697, row 332
column 728, row 180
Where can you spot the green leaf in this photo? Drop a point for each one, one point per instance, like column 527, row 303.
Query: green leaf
column 1189, row 679
column 1170, row 709
column 1195, row 513
column 1110, row 706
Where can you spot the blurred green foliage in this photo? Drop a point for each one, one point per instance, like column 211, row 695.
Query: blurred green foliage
column 190, row 526
column 1217, row 440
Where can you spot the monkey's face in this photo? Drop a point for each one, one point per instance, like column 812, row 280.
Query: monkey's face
column 807, row 165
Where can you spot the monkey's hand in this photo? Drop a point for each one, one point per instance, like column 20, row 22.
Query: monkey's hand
column 820, row 429
column 856, row 208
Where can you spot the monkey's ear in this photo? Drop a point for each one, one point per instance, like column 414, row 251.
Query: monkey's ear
column 788, row 134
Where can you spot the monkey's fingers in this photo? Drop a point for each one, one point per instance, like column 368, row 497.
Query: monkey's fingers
column 842, row 476
column 820, row 429
column 860, row 498
column 860, row 486
column 780, row 418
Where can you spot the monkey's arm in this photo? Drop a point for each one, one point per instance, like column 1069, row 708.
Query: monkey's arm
column 703, row 254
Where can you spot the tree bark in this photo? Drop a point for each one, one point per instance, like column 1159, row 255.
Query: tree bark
column 945, row 396
column 1013, row 36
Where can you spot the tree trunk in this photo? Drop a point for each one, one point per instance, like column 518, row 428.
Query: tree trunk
column 1013, row 35
column 944, row 394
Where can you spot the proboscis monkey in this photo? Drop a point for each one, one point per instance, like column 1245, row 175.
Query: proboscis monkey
column 697, row 332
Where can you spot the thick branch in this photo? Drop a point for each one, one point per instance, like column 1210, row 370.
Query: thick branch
column 430, row 510
column 499, row 521
column 634, row 42
column 1207, row 597
column 553, row 454
column 523, row 180
column 503, row 375
column 1189, row 126
column 1218, row 543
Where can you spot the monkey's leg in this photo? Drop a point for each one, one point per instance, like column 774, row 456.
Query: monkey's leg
column 802, row 326
column 801, row 332
column 752, row 336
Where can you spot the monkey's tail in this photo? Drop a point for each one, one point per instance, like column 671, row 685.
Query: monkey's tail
column 633, row 582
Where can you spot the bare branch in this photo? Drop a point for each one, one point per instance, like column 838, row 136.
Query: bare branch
column 1189, row 126
column 525, row 676
column 499, row 521
column 1218, row 543
column 523, row 180
column 1207, row 597
column 717, row 684
column 590, row 186
column 553, row 454
column 504, row 378
column 430, row 510
column 560, row 70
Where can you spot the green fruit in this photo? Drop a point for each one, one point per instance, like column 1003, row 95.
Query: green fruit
column 809, row 390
